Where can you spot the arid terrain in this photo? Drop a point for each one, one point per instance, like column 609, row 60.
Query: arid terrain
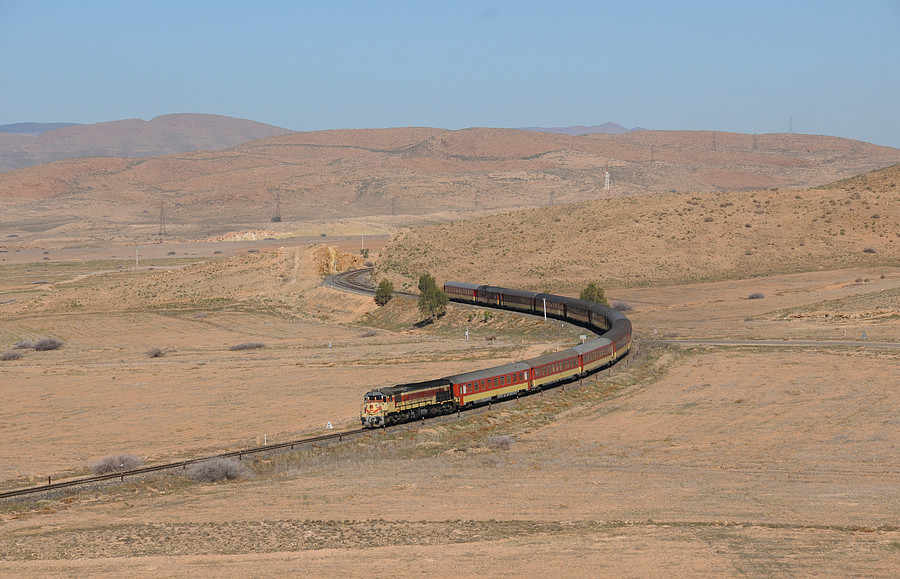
column 688, row 458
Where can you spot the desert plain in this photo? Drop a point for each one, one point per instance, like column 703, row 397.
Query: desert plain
column 753, row 430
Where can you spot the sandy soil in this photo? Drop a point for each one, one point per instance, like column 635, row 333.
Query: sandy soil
column 686, row 460
column 702, row 460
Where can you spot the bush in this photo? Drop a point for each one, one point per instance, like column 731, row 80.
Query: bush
column 622, row 306
column 155, row 352
column 23, row 345
column 593, row 293
column 247, row 346
column 432, row 299
column 11, row 355
column 501, row 442
column 45, row 344
column 218, row 469
column 384, row 293
column 117, row 463
column 755, row 296
column 870, row 250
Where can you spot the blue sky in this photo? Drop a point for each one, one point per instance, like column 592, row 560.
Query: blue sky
column 818, row 67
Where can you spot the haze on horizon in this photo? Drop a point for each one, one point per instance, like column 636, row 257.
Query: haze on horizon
column 766, row 67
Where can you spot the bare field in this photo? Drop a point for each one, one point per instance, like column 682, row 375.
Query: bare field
column 686, row 460
column 702, row 461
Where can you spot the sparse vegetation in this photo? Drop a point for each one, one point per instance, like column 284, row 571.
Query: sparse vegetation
column 219, row 469
column 11, row 355
column 594, row 293
column 155, row 352
column 870, row 250
column 756, row 296
column 117, row 463
column 432, row 299
column 247, row 346
column 384, row 293
column 622, row 306
column 501, row 442
column 45, row 344
column 23, row 345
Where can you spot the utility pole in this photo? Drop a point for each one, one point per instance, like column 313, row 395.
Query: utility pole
column 162, row 220
column 606, row 187
column 277, row 218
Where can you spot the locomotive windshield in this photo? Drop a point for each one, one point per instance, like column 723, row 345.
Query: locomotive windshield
column 374, row 397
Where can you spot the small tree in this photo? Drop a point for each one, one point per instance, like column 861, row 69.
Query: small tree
column 432, row 299
column 594, row 293
column 384, row 293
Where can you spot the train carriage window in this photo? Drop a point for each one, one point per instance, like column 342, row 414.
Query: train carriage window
column 501, row 380
column 482, row 385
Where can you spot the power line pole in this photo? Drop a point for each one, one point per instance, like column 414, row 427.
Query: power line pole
column 162, row 220
column 606, row 187
column 277, row 218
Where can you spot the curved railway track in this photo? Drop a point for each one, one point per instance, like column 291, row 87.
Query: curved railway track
column 357, row 281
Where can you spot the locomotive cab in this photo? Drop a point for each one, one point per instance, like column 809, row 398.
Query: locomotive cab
column 374, row 409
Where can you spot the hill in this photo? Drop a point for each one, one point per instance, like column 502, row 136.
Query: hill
column 33, row 128
column 126, row 138
column 657, row 240
column 606, row 128
column 400, row 175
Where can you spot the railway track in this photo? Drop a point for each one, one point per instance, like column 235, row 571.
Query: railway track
column 357, row 281
column 239, row 454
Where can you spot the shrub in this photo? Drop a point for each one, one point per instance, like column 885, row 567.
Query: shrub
column 870, row 250
column 155, row 352
column 117, row 463
column 432, row 299
column 368, row 334
column 218, row 469
column 45, row 344
column 247, row 346
column 23, row 345
column 622, row 306
column 11, row 355
column 594, row 293
column 501, row 442
column 755, row 296
column 384, row 293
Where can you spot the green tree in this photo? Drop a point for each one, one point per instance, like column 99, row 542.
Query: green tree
column 384, row 293
column 594, row 293
column 432, row 299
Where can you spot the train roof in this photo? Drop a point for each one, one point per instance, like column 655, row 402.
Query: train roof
column 462, row 284
column 412, row 386
column 592, row 345
column 489, row 372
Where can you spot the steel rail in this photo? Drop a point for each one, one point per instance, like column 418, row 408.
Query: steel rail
column 51, row 486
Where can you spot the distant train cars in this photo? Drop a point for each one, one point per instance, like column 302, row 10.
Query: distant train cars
column 405, row 402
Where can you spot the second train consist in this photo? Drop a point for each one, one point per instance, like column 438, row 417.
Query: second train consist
column 405, row 402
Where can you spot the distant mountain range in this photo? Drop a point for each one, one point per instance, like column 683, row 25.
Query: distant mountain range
column 33, row 128
column 28, row 144
column 605, row 128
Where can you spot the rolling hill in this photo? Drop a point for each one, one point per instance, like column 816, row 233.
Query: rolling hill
column 126, row 138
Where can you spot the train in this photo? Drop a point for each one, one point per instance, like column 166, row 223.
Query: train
column 416, row 400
